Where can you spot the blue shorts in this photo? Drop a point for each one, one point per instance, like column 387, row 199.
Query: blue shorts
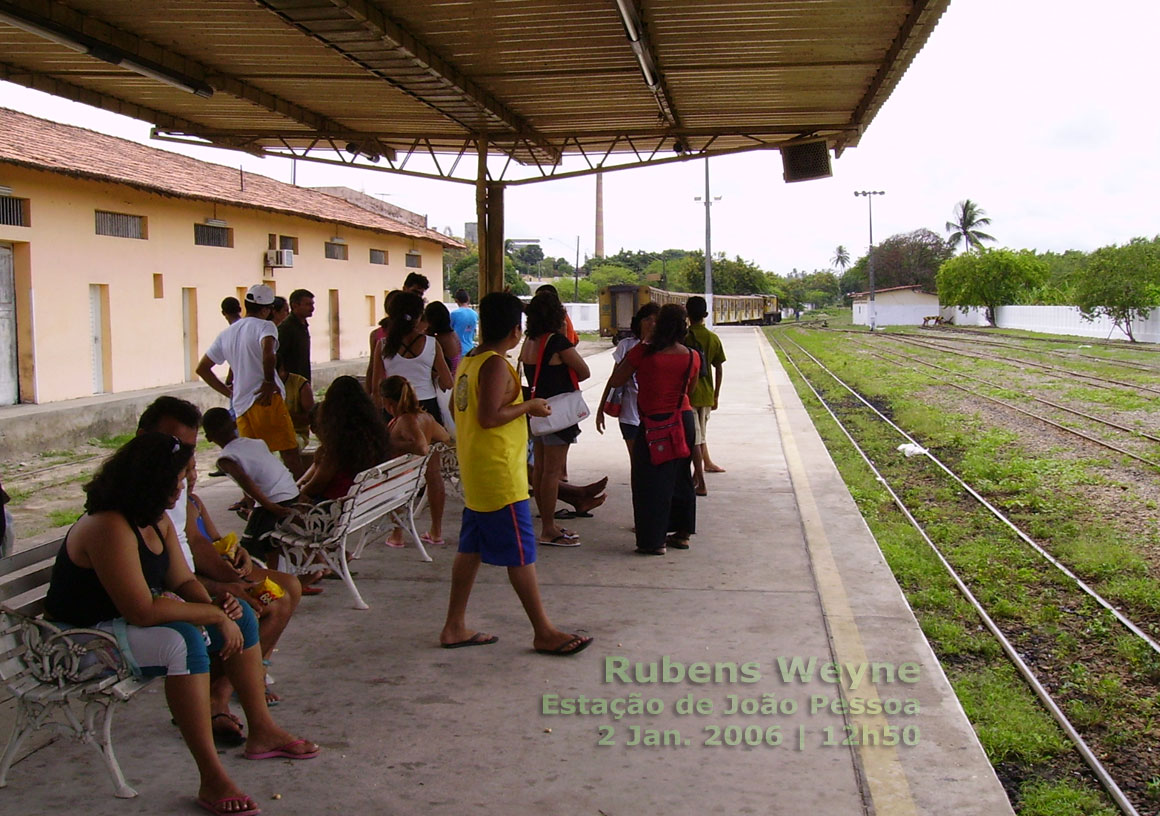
column 503, row 538
column 628, row 431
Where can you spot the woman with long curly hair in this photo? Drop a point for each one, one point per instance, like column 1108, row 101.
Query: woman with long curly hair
column 408, row 352
column 663, row 497
column 352, row 437
column 121, row 570
column 552, row 366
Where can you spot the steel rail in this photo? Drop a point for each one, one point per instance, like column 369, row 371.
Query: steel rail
column 1123, row 619
column 1030, row 396
column 1095, row 341
column 1021, row 666
column 1051, row 422
column 991, row 341
column 1056, row 370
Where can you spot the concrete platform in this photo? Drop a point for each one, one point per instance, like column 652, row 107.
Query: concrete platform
column 783, row 568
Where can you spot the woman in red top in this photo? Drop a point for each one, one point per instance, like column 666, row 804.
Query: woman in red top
column 663, row 499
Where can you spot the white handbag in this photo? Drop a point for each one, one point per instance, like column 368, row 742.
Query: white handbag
column 567, row 409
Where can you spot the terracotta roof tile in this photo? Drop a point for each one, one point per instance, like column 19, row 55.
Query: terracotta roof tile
column 38, row 143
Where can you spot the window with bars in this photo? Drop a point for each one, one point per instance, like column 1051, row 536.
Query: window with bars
column 13, row 211
column 121, row 225
column 378, row 256
column 209, row 235
column 336, row 252
column 289, row 242
column 414, row 260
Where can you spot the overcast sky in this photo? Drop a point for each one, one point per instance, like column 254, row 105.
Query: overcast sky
column 1042, row 111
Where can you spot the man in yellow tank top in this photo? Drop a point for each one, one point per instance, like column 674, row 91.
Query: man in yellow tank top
column 492, row 445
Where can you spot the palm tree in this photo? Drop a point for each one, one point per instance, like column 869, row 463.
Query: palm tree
column 969, row 216
column 841, row 257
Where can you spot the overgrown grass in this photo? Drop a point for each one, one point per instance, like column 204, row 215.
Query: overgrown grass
column 63, row 518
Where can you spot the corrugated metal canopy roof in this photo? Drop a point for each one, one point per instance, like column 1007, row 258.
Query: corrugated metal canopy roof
column 613, row 80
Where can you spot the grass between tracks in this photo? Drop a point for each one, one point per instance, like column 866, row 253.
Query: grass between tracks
column 1103, row 678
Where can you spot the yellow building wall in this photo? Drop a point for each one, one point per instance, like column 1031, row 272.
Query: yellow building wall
column 61, row 256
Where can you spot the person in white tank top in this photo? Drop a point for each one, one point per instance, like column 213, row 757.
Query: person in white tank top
column 406, row 351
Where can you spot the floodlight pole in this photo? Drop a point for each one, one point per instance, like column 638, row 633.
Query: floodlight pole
column 576, row 273
column 708, row 246
column 870, row 256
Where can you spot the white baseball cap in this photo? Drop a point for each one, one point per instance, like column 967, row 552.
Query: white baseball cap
column 260, row 294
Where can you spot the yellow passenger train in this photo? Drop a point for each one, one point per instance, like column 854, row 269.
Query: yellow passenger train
column 619, row 303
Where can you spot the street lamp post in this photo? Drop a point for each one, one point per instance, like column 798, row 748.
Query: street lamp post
column 870, row 257
column 708, row 246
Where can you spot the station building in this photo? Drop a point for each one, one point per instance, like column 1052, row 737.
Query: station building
column 894, row 306
column 115, row 257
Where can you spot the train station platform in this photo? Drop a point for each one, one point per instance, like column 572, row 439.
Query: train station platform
column 773, row 668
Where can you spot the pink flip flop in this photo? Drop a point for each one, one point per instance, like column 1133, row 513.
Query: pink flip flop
column 434, row 542
column 283, row 752
column 218, row 807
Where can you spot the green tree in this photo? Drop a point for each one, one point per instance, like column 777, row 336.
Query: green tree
column 989, row 278
column 464, row 274
column 735, row 276
column 906, row 259
column 969, row 216
column 1121, row 282
column 841, row 257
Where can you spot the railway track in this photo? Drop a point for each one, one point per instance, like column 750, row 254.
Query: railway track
column 1153, row 463
column 1016, row 633
column 1062, row 351
column 1058, row 371
column 1094, row 341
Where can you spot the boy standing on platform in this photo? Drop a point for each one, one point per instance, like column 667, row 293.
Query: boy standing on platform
column 257, row 396
column 706, row 390
column 497, row 519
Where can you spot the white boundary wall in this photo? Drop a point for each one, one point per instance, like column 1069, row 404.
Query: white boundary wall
column 1065, row 320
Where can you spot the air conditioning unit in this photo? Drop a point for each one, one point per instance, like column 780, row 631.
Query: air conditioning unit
column 279, row 258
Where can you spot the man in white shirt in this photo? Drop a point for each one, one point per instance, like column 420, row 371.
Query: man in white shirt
column 256, row 397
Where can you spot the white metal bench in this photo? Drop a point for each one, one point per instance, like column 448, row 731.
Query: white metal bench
column 66, row 680
column 380, row 496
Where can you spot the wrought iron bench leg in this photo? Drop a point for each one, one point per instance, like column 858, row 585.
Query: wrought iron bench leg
column 99, row 715
column 21, row 728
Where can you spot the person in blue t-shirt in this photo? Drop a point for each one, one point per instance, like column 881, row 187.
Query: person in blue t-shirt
column 464, row 320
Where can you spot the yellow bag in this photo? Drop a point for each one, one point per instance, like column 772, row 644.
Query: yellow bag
column 266, row 592
column 227, row 546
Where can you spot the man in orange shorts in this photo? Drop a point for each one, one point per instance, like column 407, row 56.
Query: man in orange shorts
column 257, row 395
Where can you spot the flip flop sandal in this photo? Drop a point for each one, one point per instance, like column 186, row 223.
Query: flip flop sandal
column 573, row 646
column 561, row 541
column 227, row 736
column 249, row 808
column 283, row 752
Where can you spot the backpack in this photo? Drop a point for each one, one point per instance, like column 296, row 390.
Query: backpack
column 691, row 342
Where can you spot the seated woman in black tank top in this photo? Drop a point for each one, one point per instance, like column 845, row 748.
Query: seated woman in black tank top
column 121, row 569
